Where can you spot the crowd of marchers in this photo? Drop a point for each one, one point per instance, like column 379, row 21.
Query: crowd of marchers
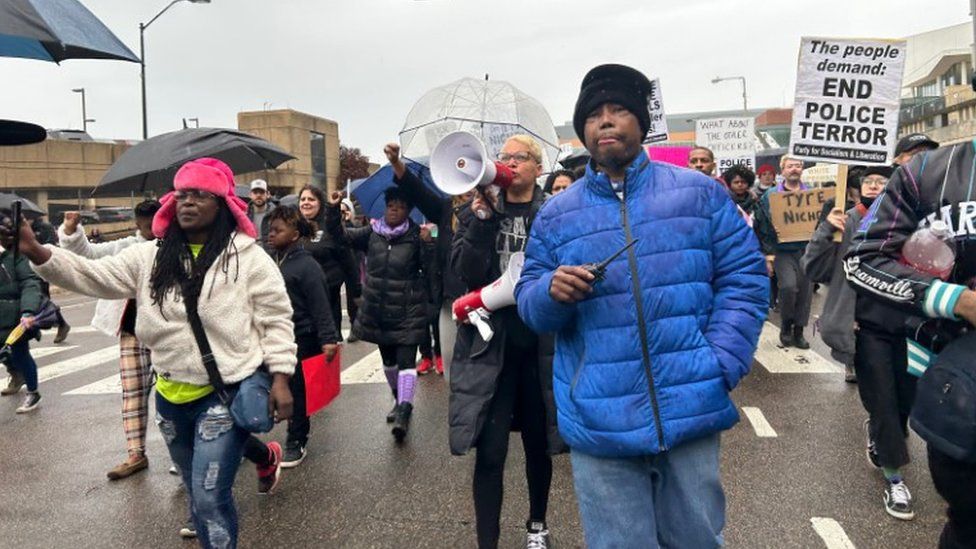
column 216, row 304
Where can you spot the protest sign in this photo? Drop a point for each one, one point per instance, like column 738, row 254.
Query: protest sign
column 847, row 100
column 733, row 141
column 659, row 123
column 677, row 155
column 795, row 215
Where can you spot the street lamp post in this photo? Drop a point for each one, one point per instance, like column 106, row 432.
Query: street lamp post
column 142, row 58
column 84, row 111
column 745, row 101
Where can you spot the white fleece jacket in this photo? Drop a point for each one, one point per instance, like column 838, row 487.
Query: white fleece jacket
column 108, row 312
column 245, row 311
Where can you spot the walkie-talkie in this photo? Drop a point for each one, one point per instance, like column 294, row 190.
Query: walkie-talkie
column 599, row 270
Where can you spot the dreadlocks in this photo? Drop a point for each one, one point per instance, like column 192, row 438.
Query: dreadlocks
column 173, row 258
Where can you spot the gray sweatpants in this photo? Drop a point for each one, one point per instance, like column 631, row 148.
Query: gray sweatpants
column 795, row 289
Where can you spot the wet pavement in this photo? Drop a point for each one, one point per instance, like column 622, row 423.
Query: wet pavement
column 358, row 488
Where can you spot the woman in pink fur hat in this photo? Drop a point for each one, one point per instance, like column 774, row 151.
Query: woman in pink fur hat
column 206, row 254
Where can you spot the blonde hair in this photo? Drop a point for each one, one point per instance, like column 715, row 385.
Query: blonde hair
column 786, row 158
column 534, row 149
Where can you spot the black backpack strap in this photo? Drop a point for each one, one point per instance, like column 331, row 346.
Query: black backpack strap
column 204, row 344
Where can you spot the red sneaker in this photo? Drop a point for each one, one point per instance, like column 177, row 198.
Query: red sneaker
column 268, row 476
column 439, row 365
column 425, row 365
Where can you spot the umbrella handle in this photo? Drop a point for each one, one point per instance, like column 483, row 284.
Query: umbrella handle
column 15, row 209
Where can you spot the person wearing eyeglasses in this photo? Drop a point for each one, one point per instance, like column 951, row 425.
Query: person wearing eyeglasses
column 206, row 253
column 507, row 381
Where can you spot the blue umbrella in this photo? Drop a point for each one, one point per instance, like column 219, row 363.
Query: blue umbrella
column 370, row 191
column 55, row 30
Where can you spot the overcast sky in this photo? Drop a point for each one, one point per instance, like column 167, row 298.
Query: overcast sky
column 363, row 63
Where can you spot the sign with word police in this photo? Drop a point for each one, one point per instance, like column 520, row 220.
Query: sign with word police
column 659, row 123
column 795, row 215
column 732, row 140
column 847, row 99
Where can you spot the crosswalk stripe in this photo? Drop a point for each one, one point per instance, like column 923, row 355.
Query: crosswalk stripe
column 41, row 352
column 759, row 424
column 75, row 330
column 75, row 364
column 112, row 385
column 368, row 369
column 779, row 360
column 832, row 533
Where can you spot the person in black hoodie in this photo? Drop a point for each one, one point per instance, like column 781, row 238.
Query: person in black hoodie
column 315, row 332
column 508, row 381
column 337, row 262
column 394, row 310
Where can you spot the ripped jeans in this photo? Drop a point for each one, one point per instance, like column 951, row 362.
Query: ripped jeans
column 207, row 446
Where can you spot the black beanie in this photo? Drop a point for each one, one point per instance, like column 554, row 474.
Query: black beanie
column 618, row 84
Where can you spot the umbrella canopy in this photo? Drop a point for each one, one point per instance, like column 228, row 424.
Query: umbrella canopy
column 27, row 208
column 13, row 132
column 55, row 30
column 151, row 165
column 370, row 191
column 491, row 109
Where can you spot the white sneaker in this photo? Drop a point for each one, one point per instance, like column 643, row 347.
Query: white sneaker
column 537, row 536
column 31, row 401
column 898, row 501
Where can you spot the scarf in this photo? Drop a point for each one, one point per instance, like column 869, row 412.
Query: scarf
column 381, row 228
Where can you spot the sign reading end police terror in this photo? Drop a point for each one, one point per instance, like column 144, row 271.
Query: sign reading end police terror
column 847, row 99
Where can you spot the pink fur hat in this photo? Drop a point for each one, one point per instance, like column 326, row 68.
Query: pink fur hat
column 205, row 174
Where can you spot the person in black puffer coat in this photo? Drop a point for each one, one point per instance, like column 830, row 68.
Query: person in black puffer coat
column 338, row 262
column 394, row 310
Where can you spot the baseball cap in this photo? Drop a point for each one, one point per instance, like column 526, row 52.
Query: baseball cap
column 259, row 184
column 914, row 140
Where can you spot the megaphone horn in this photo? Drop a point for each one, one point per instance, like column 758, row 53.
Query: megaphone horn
column 460, row 162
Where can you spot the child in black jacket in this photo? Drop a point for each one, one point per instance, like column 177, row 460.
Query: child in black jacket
column 315, row 330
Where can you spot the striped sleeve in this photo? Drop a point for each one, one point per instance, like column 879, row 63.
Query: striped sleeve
column 940, row 299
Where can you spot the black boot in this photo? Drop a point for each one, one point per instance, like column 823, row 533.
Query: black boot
column 401, row 423
column 391, row 415
column 786, row 334
column 798, row 340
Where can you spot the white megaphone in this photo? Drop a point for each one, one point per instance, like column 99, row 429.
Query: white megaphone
column 460, row 162
column 476, row 307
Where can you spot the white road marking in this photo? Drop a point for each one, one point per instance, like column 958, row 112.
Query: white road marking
column 74, row 330
column 76, row 305
column 368, row 369
column 112, row 385
column 759, row 424
column 831, row 532
column 41, row 352
column 789, row 360
column 75, row 364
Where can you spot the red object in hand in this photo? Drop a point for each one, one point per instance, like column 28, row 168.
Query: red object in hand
column 322, row 383
column 470, row 301
column 503, row 176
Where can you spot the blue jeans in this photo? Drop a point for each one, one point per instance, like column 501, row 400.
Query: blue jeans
column 673, row 499
column 207, row 446
column 22, row 361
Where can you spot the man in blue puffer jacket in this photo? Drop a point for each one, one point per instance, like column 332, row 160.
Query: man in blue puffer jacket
column 645, row 358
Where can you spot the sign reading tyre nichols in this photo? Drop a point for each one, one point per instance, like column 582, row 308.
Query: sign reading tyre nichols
column 847, row 99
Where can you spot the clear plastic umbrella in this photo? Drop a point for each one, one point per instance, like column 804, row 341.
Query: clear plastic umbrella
column 491, row 109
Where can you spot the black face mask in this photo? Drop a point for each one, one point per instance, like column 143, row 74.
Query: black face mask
column 866, row 201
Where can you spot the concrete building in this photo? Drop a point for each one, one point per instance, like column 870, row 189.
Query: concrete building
column 60, row 174
column 937, row 98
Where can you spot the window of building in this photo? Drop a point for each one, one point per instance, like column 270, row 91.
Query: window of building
column 317, row 146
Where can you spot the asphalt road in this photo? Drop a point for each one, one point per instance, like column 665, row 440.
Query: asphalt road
column 794, row 468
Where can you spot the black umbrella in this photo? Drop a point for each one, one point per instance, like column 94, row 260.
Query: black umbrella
column 55, row 30
column 13, row 132
column 151, row 165
column 27, row 208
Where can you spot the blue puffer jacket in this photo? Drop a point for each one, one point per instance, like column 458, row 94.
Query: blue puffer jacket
column 646, row 362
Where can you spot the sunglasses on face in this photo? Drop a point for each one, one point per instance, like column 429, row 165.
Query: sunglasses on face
column 194, row 195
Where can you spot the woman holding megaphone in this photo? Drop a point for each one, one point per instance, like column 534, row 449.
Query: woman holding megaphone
column 394, row 310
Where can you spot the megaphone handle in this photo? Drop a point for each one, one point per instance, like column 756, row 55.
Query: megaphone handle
column 483, row 191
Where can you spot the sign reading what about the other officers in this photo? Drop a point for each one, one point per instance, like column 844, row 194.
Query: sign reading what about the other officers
column 732, row 140
column 847, row 100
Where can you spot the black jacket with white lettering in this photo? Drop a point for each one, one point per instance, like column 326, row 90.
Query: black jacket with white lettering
column 935, row 185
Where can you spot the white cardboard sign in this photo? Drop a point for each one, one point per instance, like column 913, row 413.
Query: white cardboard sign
column 847, row 100
column 659, row 122
column 732, row 140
